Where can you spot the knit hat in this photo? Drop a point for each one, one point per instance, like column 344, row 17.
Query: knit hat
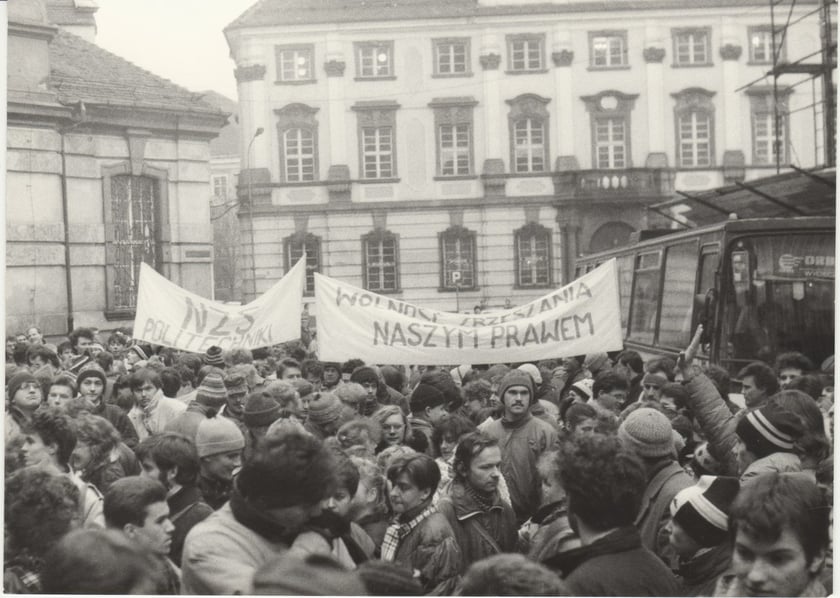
column 530, row 368
column 213, row 356
column 218, row 435
column 18, row 380
column 769, row 429
column 425, row 395
column 704, row 459
column 594, row 362
column 236, row 385
column 364, row 374
column 325, row 409
column 91, row 370
column 702, row 510
column 584, row 387
column 211, row 392
column 140, row 351
column 516, row 378
column 655, row 380
column 304, row 387
column 648, row 433
column 260, row 410
column 310, row 575
column 388, row 578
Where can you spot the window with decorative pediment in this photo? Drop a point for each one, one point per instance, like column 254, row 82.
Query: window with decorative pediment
column 295, row 246
column 768, row 147
column 457, row 259
column 297, row 131
column 695, row 127
column 380, row 261
column 377, row 125
column 528, row 124
column 532, row 249
column 610, row 113
column 454, row 131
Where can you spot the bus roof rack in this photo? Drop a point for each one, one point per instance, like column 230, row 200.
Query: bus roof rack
column 796, row 193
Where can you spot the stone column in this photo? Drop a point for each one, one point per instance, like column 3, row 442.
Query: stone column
column 250, row 81
column 490, row 59
column 565, row 101
column 734, row 168
column 657, row 111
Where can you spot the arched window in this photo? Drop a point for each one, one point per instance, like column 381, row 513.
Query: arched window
column 528, row 120
column 532, row 245
column 457, row 259
column 380, row 261
column 295, row 246
column 695, row 127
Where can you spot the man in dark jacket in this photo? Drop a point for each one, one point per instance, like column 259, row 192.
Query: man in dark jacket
column 428, row 407
column 483, row 523
column 604, row 483
column 172, row 460
column 91, row 383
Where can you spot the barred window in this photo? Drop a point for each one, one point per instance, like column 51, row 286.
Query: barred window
column 533, row 256
column 457, row 257
column 294, row 248
column 380, row 253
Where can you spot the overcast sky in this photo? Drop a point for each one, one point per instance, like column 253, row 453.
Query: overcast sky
column 180, row 40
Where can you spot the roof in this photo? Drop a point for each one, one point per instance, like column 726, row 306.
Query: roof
column 227, row 143
column 797, row 193
column 267, row 13
column 65, row 12
column 80, row 70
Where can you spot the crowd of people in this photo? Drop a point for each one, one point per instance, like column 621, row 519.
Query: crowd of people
column 132, row 468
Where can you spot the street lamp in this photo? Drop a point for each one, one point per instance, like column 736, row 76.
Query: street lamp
column 256, row 134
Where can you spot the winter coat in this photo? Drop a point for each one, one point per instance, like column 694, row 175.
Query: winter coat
column 349, row 550
column 187, row 423
column 663, row 485
column 395, row 397
column 522, row 442
column 698, row 576
column 716, row 421
column 479, row 533
column 615, row 565
column 186, row 509
column 421, row 425
column 776, row 462
column 155, row 418
column 374, row 525
column 119, row 420
column 431, row 549
column 216, row 492
column 104, row 472
column 221, row 555
column 547, row 533
column 730, row 585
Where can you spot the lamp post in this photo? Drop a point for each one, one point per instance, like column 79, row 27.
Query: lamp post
column 256, row 134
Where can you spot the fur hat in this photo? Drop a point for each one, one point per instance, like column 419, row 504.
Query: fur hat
column 236, row 385
column 218, row 435
column 769, row 429
column 424, row 396
column 648, row 433
column 325, row 409
column 530, row 368
column 260, row 410
column 516, row 378
column 213, row 356
column 584, row 387
column 18, row 380
column 364, row 373
column 211, row 392
column 702, row 510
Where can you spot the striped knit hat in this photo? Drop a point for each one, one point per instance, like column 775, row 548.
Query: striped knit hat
column 769, row 429
column 702, row 510
column 212, row 392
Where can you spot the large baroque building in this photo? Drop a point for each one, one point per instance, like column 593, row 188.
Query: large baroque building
column 424, row 147
column 107, row 167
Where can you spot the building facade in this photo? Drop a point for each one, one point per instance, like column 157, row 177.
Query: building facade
column 107, row 167
column 464, row 152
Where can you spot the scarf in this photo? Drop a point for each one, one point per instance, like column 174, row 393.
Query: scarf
column 258, row 521
column 395, row 532
column 484, row 500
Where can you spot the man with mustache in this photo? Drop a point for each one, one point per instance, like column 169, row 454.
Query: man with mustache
column 522, row 439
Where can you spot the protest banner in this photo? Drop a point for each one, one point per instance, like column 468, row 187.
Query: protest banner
column 174, row 317
column 581, row 317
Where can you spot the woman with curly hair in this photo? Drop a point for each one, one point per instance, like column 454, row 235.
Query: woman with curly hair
column 95, row 456
column 40, row 508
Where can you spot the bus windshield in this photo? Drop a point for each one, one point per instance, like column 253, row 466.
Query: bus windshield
column 778, row 296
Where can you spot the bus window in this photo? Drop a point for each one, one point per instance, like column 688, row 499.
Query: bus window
column 625, row 283
column 709, row 256
column 678, row 295
column 645, row 297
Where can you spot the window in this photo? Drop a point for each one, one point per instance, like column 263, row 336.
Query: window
column 526, row 52
column 220, row 188
column 452, row 56
column 133, row 213
column 678, row 295
column 294, row 63
column 766, row 147
column 761, row 44
column 608, row 49
column 532, row 244
column 610, row 143
column 298, row 133
column 453, row 123
column 692, row 47
column 380, row 255
column 457, row 257
column 694, row 112
column 374, row 60
column 528, row 120
column 377, row 139
column 646, row 295
column 294, row 248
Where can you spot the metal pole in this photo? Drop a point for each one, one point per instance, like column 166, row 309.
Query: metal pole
column 829, row 109
column 257, row 133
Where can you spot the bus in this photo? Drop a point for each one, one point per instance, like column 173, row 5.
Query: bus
column 759, row 286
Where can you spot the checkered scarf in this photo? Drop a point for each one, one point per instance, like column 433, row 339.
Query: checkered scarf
column 395, row 532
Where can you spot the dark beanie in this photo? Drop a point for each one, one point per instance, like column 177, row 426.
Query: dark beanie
column 364, row 374
column 91, row 370
column 260, row 410
column 425, row 396
column 18, row 380
column 213, row 356
column 702, row 510
column 387, row 578
column 516, row 378
column 769, row 429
